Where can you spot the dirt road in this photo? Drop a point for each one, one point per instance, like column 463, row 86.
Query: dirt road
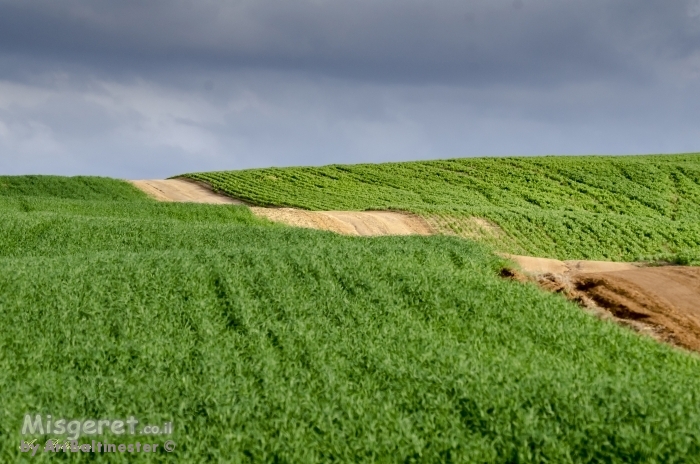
column 535, row 266
column 367, row 223
column 343, row 222
column 181, row 190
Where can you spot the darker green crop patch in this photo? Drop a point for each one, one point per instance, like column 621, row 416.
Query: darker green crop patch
column 591, row 207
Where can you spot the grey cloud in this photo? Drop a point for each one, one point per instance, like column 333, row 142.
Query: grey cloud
column 419, row 41
column 148, row 129
column 150, row 89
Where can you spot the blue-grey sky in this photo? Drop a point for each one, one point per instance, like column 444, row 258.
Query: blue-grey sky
column 144, row 89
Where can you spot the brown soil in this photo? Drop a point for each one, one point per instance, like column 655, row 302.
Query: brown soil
column 533, row 265
column 663, row 302
column 367, row 223
column 183, row 190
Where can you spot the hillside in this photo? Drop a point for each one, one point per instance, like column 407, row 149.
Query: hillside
column 609, row 208
column 267, row 343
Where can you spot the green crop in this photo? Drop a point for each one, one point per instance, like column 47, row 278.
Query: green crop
column 265, row 343
column 612, row 208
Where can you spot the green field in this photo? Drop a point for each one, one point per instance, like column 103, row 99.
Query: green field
column 610, row 208
column 263, row 343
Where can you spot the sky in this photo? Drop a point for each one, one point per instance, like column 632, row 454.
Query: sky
column 150, row 89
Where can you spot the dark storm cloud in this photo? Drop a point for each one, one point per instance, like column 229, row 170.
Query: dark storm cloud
column 458, row 42
column 155, row 88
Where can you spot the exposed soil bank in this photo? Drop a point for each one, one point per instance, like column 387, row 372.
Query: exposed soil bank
column 663, row 302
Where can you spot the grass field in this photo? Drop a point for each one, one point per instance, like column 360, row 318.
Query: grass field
column 610, row 208
column 265, row 343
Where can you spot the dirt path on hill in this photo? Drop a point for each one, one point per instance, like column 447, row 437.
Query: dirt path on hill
column 663, row 302
column 367, row 223
column 536, row 266
column 182, row 190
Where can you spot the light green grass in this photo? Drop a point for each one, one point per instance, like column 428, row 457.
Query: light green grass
column 270, row 344
column 612, row 208
column 74, row 188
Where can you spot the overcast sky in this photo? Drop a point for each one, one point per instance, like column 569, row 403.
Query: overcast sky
column 149, row 89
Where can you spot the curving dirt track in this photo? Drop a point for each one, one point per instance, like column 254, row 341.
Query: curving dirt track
column 663, row 302
column 366, row 223
column 533, row 265
column 182, row 190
